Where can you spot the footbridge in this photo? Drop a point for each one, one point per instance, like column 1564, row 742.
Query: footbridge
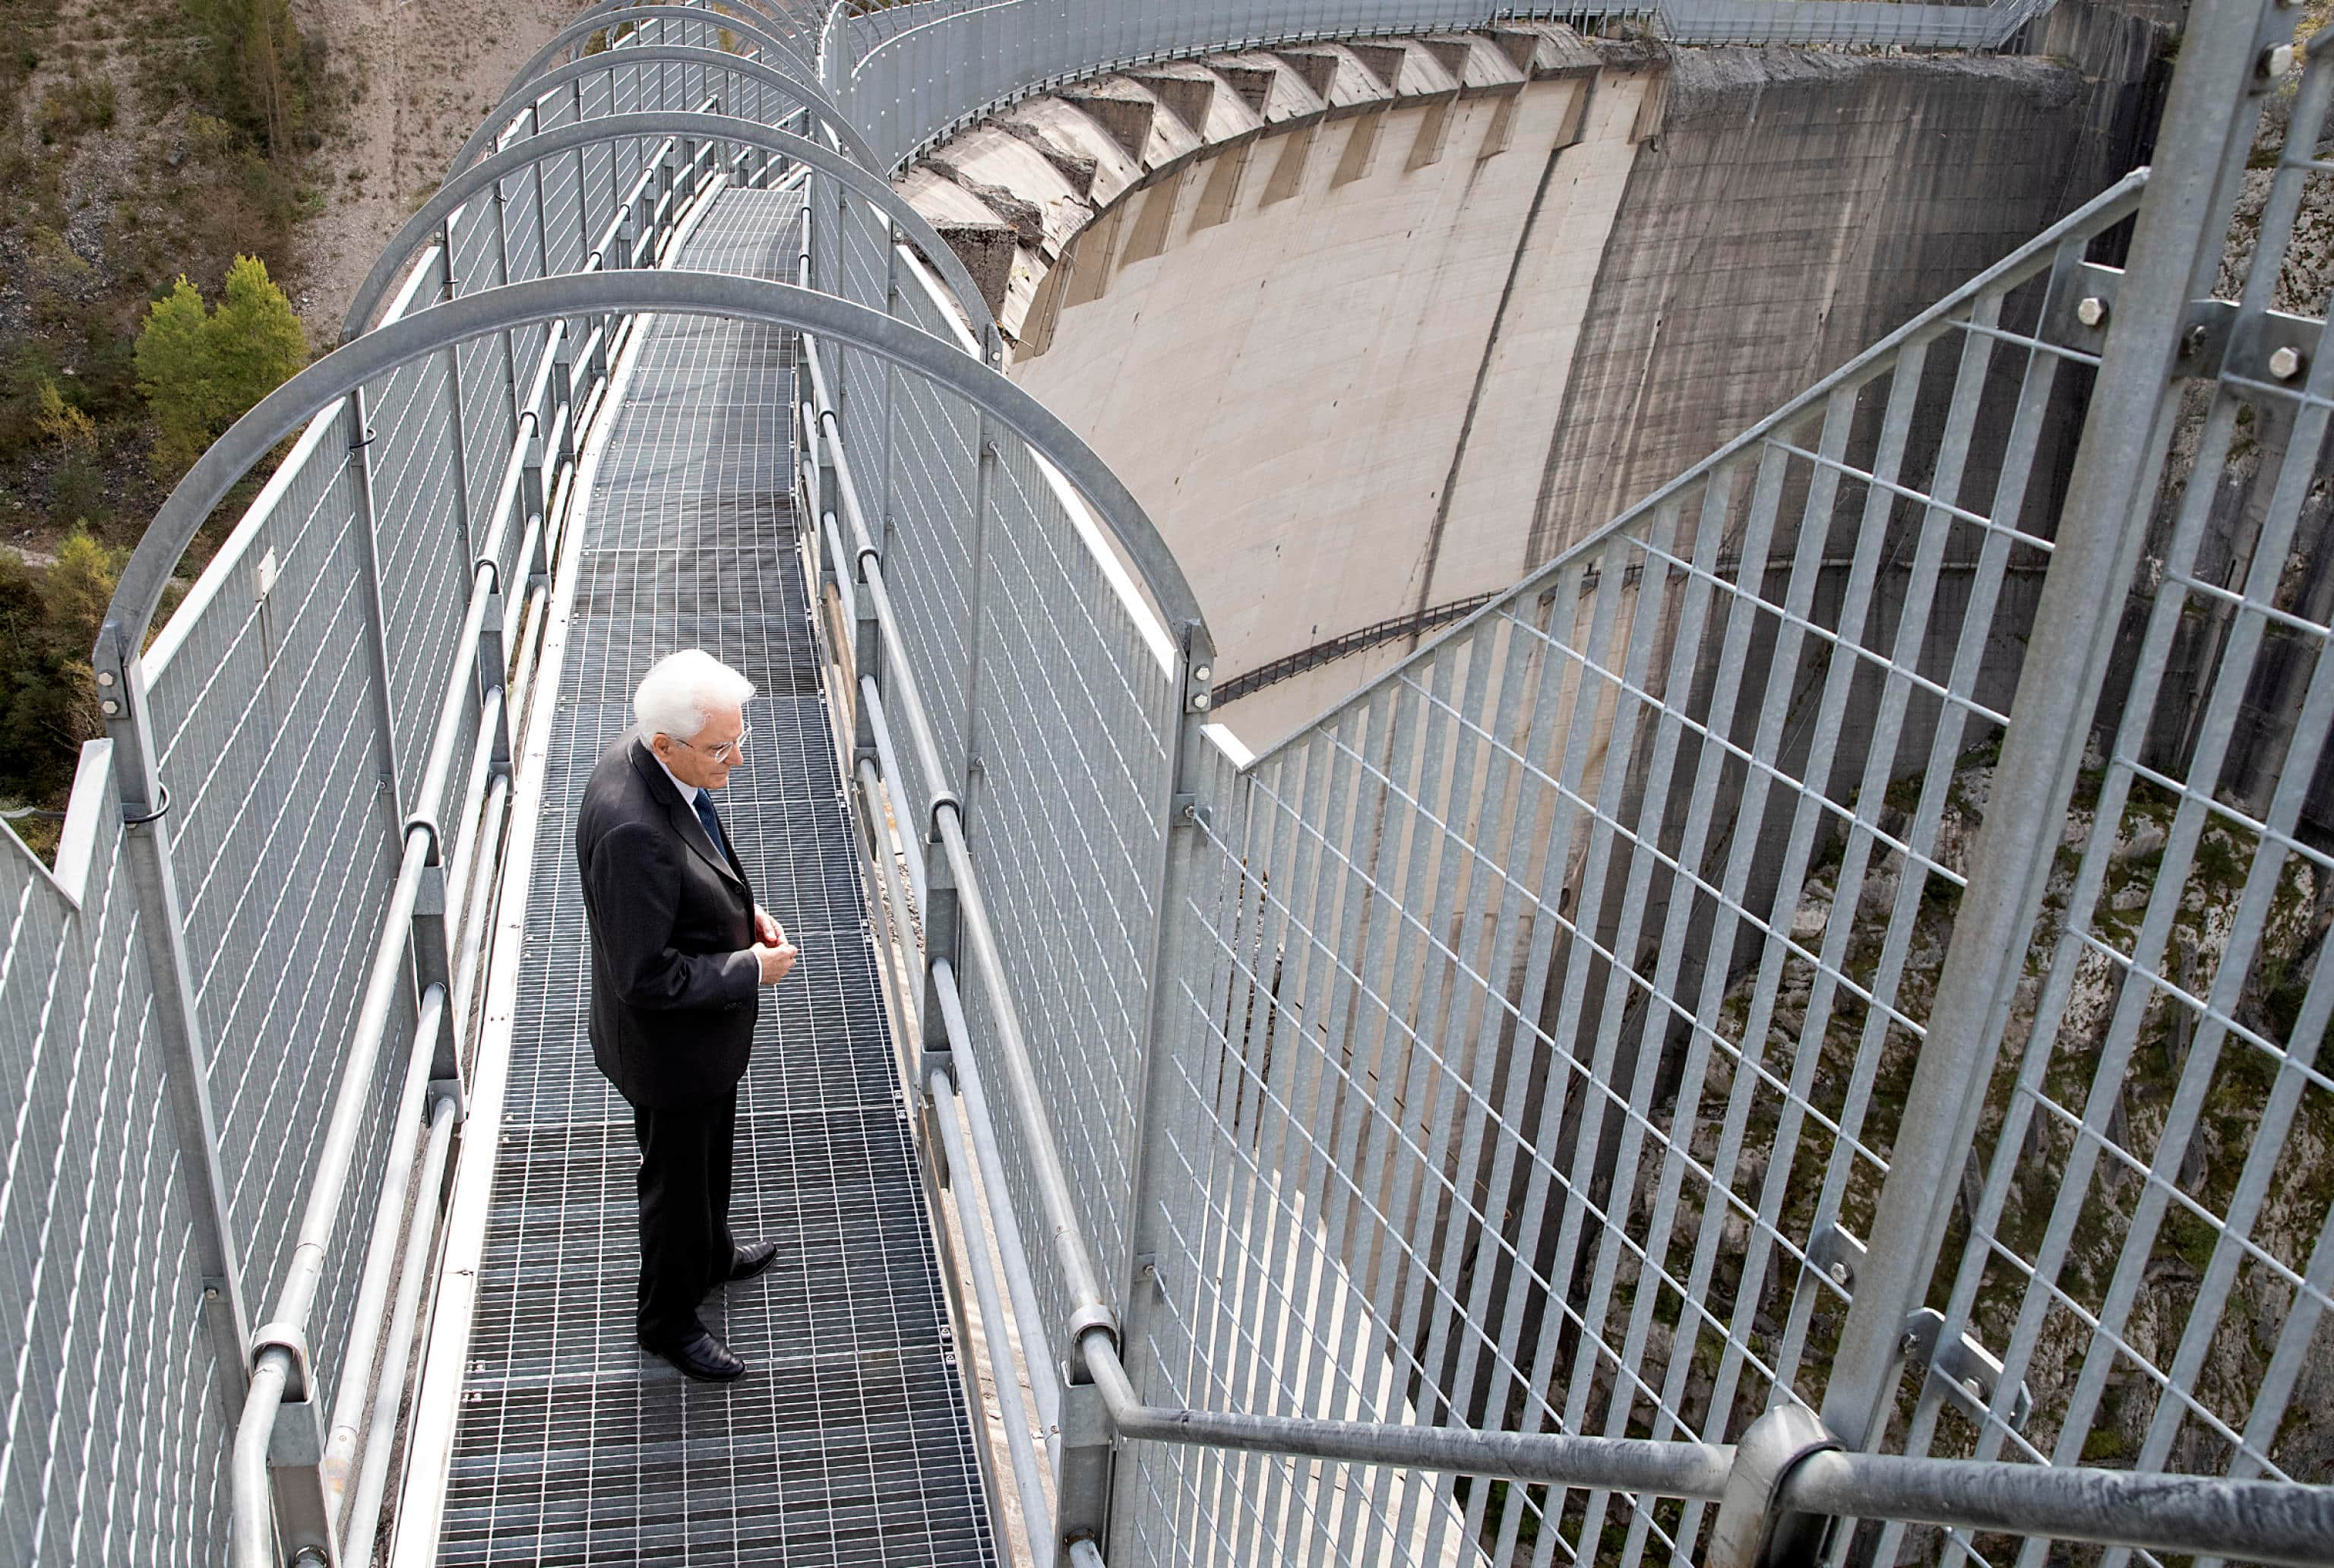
column 1754, row 1044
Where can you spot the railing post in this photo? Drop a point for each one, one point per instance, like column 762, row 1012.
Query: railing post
column 123, row 699
column 542, row 229
column 2209, row 116
column 984, row 470
column 562, row 400
column 502, row 267
column 454, row 400
column 376, row 619
column 295, row 1458
column 1173, row 952
column 891, row 388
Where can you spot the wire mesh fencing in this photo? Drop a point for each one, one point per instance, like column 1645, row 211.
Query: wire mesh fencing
column 2148, row 1233
column 114, row 1441
column 293, row 704
column 1559, row 993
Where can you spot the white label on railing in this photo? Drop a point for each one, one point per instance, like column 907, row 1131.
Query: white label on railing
column 263, row 574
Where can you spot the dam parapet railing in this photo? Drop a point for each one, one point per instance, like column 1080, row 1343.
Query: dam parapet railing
column 910, row 75
column 1702, row 1052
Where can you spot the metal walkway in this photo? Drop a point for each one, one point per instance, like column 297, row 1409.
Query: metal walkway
column 849, row 1442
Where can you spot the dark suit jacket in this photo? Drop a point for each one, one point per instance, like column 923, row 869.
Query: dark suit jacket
column 674, row 989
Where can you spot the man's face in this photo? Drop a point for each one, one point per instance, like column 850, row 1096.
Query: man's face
column 704, row 758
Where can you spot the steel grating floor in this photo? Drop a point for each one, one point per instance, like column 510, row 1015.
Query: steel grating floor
column 849, row 1442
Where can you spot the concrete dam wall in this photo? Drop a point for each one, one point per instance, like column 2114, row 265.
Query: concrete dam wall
column 1372, row 328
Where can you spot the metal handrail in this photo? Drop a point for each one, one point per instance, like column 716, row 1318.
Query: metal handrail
column 280, row 1366
column 714, row 127
column 514, row 107
column 2267, row 1521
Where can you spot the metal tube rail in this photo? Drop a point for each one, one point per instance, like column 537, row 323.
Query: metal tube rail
column 381, row 1254
column 389, row 1397
column 321, row 1215
column 1664, row 1469
column 1091, row 1314
column 468, row 869
column 872, row 694
column 1011, row 1412
column 470, row 945
column 1045, row 1380
column 271, row 1373
column 2206, row 1516
column 254, row 1518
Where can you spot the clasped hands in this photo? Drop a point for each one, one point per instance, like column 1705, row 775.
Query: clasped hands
column 771, row 948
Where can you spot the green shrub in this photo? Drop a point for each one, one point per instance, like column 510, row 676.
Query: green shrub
column 201, row 371
column 48, row 696
column 70, row 108
column 63, row 422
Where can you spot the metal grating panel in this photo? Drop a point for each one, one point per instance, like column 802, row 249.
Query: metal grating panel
column 849, row 1442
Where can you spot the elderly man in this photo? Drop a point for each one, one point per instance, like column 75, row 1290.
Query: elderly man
column 680, row 950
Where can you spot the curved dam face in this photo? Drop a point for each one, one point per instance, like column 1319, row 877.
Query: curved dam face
column 1373, row 328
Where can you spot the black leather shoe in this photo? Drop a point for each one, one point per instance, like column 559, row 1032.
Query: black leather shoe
column 702, row 1357
column 748, row 1261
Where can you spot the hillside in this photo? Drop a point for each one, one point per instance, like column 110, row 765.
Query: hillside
column 148, row 139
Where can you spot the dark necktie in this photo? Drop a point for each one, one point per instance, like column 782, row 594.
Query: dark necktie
column 712, row 824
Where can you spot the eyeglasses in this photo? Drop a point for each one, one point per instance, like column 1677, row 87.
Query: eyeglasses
column 728, row 751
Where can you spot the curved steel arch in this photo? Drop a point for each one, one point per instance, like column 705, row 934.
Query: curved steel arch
column 616, row 13
column 528, row 150
column 378, row 353
column 794, row 87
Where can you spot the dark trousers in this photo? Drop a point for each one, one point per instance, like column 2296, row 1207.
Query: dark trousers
column 685, row 1240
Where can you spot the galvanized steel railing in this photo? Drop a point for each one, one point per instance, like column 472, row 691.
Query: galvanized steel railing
column 1512, row 1057
column 909, row 75
column 1555, row 1067
column 259, row 968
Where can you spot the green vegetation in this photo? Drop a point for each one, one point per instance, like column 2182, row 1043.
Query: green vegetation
column 48, row 698
column 201, row 371
column 153, row 153
column 260, row 70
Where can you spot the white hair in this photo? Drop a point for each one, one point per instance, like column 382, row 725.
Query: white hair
column 682, row 690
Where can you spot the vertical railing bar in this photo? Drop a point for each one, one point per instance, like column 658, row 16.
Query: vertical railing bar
column 376, row 632
column 1758, row 797
column 1394, row 1173
column 1330, row 1157
column 1620, row 747
column 1471, row 1208
column 1685, row 645
column 1266, row 1388
column 1567, row 698
column 1840, row 679
column 459, row 448
column 2189, row 196
column 1430, row 1082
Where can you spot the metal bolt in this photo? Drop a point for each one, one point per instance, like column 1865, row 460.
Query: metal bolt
column 1909, row 1343
column 105, row 678
column 1199, row 699
column 2192, row 342
column 1974, row 1388
column 109, row 706
column 2277, row 59
column 1839, row 1272
column 1204, row 672
column 210, row 1293
column 2091, row 311
column 2285, row 364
